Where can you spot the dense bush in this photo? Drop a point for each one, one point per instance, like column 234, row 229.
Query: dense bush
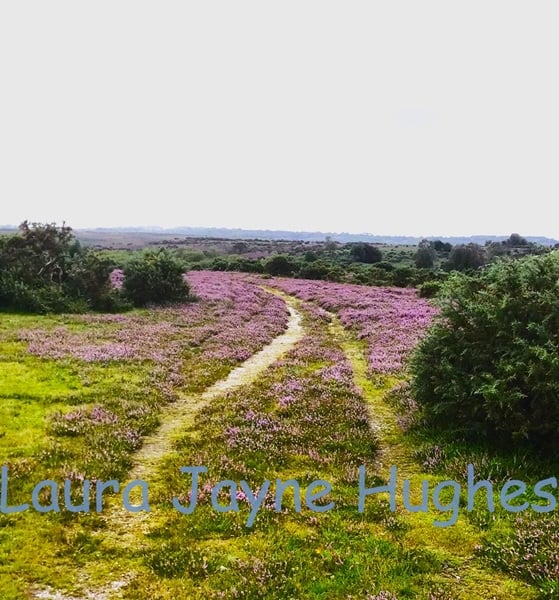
column 425, row 256
column 429, row 289
column 280, row 264
column 365, row 253
column 466, row 257
column 89, row 281
column 155, row 277
column 490, row 365
column 44, row 269
column 318, row 269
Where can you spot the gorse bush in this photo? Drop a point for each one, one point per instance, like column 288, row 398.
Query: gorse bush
column 280, row 264
column 490, row 365
column 429, row 289
column 466, row 257
column 156, row 277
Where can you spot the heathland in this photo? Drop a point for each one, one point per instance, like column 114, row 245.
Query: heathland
column 294, row 396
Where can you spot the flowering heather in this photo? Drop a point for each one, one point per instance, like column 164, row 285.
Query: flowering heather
column 530, row 550
column 187, row 347
column 303, row 420
column 249, row 317
column 233, row 319
column 307, row 407
column 390, row 320
column 116, row 278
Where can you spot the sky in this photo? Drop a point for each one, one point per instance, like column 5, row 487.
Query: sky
column 392, row 118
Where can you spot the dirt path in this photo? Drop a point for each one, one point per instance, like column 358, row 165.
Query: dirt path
column 183, row 411
column 392, row 450
column 468, row 580
column 124, row 528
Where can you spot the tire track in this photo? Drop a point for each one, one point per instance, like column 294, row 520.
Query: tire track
column 124, row 528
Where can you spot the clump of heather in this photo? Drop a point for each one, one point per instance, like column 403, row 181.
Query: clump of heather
column 106, row 438
column 390, row 320
column 400, row 397
column 529, row 550
column 383, row 595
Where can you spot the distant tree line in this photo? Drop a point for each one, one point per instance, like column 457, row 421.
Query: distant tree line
column 370, row 264
column 43, row 268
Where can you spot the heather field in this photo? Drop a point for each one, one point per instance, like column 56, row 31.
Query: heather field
column 289, row 396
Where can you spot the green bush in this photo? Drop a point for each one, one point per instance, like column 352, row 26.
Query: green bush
column 155, row 278
column 318, row 269
column 280, row 265
column 429, row 289
column 43, row 269
column 466, row 257
column 89, row 282
column 404, row 276
column 365, row 253
column 425, row 257
column 490, row 365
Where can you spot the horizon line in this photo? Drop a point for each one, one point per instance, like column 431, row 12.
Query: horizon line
column 159, row 228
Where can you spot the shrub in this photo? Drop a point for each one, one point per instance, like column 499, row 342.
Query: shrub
column 43, row 269
column 490, row 365
column 365, row 253
column 404, row 276
column 90, row 281
column 280, row 264
column 429, row 289
column 425, row 257
column 318, row 269
column 156, row 277
column 529, row 550
column 464, row 258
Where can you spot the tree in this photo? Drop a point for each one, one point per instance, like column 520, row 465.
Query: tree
column 495, row 249
column 89, row 278
column 330, row 245
column 463, row 258
column 425, row 255
column 239, row 247
column 365, row 253
column 156, row 277
column 490, row 364
column 280, row 265
column 441, row 247
column 39, row 253
column 35, row 269
column 515, row 240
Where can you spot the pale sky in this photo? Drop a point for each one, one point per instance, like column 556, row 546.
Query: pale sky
column 388, row 117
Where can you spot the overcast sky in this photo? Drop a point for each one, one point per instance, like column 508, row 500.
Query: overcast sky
column 388, row 117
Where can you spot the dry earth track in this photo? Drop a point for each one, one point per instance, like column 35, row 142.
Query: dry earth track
column 124, row 527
